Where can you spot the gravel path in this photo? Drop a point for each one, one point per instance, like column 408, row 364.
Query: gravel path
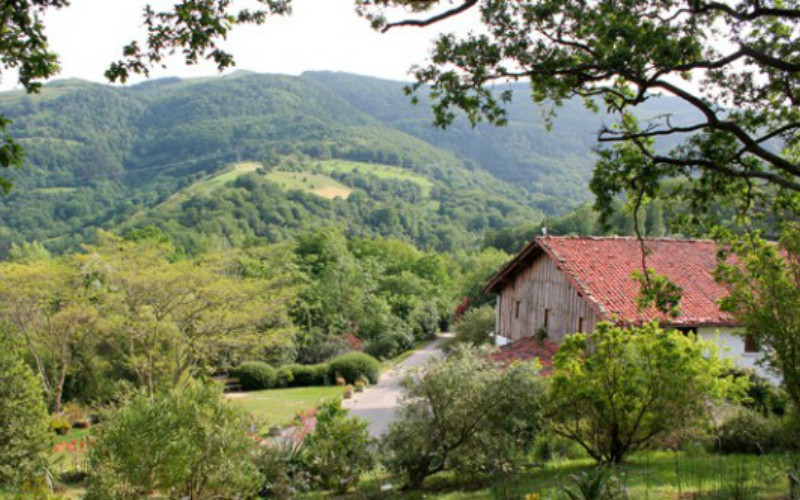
column 376, row 405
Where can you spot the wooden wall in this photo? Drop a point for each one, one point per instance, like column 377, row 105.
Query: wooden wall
column 542, row 289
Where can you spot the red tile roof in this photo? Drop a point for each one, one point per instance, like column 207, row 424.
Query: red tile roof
column 601, row 268
column 527, row 349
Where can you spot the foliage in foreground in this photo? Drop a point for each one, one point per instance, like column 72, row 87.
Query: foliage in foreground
column 189, row 444
column 618, row 389
column 23, row 418
column 765, row 291
column 340, row 448
column 464, row 414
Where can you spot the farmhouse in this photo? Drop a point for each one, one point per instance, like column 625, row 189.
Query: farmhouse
column 562, row 285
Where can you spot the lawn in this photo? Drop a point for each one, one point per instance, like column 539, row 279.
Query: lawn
column 279, row 406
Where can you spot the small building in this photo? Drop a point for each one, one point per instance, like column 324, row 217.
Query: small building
column 563, row 285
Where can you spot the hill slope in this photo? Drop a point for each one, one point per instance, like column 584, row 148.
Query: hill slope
column 118, row 158
column 554, row 166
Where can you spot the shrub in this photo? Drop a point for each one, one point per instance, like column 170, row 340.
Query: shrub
column 59, row 424
column 285, row 470
column 309, row 375
column 464, row 414
column 24, row 439
column 749, row 432
column 425, row 320
column 255, row 375
column 285, row 376
column 385, row 347
column 550, row 446
column 339, row 450
column 76, row 415
column 188, row 444
column 396, row 338
column 632, row 386
column 476, row 326
column 763, row 396
column 352, row 365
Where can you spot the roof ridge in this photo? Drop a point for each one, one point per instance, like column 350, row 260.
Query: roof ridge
column 615, row 237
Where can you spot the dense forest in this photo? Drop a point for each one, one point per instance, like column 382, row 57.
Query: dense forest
column 121, row 158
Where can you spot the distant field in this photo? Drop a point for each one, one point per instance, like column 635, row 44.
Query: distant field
column 318, row 184
column 380, row 171
column 55, row 190
column 209, row 184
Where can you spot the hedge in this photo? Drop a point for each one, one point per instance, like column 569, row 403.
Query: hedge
column 308, row 375
column 353, row 365
column 255, row 375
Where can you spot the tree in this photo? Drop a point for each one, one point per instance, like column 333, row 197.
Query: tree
column 464, row 414
column 618, row 389
column 173, row 316
column 23, row 417
column 339, row 450
column 764, row 282
column 55, row 312
column 188, row 444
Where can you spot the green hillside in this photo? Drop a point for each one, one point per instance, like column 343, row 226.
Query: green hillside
column 171, row 153
column 553, row 165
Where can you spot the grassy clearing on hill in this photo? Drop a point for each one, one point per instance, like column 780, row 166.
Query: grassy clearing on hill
column 380, row 171
column 210, row 183
column 318, row 184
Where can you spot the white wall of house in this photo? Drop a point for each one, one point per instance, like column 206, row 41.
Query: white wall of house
column 732, row 346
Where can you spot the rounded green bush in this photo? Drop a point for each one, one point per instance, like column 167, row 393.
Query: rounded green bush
column 255, row 375
column 352, row 365
column 308, row 375
column 750, row 433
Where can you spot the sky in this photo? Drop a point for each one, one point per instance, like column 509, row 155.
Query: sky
column 320, row 35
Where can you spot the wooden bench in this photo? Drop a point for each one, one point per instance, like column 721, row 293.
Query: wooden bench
column 231, row 384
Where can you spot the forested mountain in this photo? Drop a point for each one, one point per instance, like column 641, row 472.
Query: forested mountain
column 329, row 149
column 553, row 165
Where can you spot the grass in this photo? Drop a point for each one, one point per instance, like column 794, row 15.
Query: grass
column 318, row 184
column 661, row 475
column 380, row 171
column 211, row 183
column 55, row 190
column 279, row 406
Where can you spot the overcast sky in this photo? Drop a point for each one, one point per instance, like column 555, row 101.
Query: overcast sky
column 320, row 35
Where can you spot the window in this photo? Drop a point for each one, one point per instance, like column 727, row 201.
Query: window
column 686, row 330
column 751, row 344
column 580, row 324
column 546, row 318
column 516, row 312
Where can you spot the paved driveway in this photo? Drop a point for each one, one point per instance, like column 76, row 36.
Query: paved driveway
column 376, row 405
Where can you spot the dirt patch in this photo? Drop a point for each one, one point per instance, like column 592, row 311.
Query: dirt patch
column 235, row 395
